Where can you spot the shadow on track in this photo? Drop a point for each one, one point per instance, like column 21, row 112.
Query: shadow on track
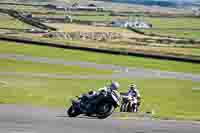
column 78, row 117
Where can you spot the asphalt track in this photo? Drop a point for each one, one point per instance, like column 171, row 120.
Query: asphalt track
column 119, row 71
column 26, row 119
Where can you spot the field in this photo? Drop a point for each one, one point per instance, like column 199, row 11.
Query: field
column 8, row 65
column 94, row 18
column 130, row 41
column 9, row 22
column 99, row 58
column 178, row 27
column 58, row 92
column 164, row 96
column 54, row 84
column 88, row 28
column 179, row 22
column 23, row 8
column 183, row 27
column 181, row 33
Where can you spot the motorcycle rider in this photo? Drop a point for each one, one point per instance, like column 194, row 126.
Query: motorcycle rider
column 114, row 86
column 85, row 98
column 134, row 92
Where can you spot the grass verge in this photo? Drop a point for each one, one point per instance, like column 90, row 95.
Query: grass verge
column 168, row 98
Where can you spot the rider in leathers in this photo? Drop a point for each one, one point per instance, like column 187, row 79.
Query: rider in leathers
column 134, row 92
column 102, row 91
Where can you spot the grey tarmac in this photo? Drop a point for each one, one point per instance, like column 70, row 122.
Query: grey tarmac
column 28, row 119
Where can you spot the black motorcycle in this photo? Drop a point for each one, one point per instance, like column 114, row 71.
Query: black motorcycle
column 101, row 106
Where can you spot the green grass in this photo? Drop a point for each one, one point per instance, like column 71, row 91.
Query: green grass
column 74, row 13
column 171, row 98
column 76, row 55
column 196, row 52
column 8, row 65
column 91, row 13
column 174, row 22
column 24, row 8
column 168, row 98
column 176, row 33
column 77, row 15
column 93, row 18
column 9, row 22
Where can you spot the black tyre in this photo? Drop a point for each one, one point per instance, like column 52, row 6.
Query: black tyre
column 126, row 108
column 105, row 110
column 72, row 112
column 123, row 107
column 129, row 107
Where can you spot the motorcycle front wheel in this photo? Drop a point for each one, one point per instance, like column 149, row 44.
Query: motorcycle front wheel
column 72, row 112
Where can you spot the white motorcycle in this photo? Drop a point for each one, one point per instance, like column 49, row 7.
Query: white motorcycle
column 129, row 104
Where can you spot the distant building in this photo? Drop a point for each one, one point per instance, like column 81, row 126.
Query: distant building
column 57, row 6
column 121, row 23
column 134, row 24
column 75, row 6
column 141, row 24
column 87, row 8
column 196, row 11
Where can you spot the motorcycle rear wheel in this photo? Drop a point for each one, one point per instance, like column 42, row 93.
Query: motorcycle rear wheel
column 108, row 110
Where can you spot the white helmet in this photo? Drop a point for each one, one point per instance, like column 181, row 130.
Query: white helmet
column 114, row 86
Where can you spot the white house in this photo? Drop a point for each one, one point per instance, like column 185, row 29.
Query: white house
column 141, row 24
column 134, row 24
column 196, row 12
column 121, row 23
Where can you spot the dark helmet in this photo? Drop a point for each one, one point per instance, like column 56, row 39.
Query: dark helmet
column 132, row 87
column 91, row 92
